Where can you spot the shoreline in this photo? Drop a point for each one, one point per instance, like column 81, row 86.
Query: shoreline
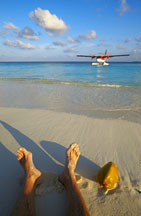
column 94, row 102
column 48, row 133
column 46, row 119
column 81, row 83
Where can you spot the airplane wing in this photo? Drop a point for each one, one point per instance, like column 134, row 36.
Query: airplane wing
column 118, row 55
column 91, row 56
column 107, row 56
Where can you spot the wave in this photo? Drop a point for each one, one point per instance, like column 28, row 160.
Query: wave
column 116, row 109
column 70, row 83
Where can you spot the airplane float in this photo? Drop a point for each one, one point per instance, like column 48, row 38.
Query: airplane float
column 100, row 60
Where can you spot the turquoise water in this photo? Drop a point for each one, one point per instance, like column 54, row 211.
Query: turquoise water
column 112, row 91
column 116, row 74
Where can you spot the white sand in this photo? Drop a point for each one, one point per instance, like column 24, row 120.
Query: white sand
column 47, row 134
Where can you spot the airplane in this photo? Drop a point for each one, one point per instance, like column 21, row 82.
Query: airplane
column 100, row 60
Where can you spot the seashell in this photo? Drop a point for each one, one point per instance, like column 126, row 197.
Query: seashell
column 108, row 176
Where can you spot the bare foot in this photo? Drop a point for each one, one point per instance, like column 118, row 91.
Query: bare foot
column 25, row 159
column 72, row 155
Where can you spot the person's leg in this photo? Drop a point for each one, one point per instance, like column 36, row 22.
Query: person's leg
column 76, row 202
column 25, row 205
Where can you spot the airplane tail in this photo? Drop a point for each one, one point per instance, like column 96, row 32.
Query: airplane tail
column 106, row 52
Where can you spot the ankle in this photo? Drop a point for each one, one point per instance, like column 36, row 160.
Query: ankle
column 29, row 186
column 31, row 179
column 67, row 176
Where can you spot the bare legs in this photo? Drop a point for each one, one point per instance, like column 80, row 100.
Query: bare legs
column 76, row 202
column 25, row 205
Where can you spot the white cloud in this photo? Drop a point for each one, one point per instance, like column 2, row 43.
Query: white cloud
column 72, row 39
column 90, row 35
column 27, row 33
column 10, row 25
column 60, row 43
column 50, row 22
column 19, row 44
column 123, row 7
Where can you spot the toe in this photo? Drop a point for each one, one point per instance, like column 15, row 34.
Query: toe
column 23, row 151
column 78, row 153
column 76, row 150
column 76, row 147
column 20, row 155
column 73, row 145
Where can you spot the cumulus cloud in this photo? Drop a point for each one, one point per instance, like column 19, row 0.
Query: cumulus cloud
column 19, row 44
column 123, row 7
column 53, row 25
column 90, row 35
column 60, row 43
column 27, row 33
column 10, row 25
column 72, row 39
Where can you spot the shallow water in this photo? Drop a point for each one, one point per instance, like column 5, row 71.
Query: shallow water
column 112, row 91
column 102, row 102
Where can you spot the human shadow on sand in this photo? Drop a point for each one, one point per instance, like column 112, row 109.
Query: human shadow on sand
column 51, row 155
column 9, row 176
column 41, row 159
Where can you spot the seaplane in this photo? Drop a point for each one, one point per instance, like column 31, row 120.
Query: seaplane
column 100, row 60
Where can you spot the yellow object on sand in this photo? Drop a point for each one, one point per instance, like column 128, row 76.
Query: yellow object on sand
column 108, row 176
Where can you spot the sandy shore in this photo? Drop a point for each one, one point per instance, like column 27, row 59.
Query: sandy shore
column 47, row 134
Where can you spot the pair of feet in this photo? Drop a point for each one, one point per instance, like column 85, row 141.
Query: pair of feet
column 35, row 175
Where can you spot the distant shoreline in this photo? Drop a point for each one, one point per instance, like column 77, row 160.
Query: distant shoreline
column 64, row 62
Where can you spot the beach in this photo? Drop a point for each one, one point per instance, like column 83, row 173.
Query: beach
column 45, row 107
column 70, row 80
column 47, row 131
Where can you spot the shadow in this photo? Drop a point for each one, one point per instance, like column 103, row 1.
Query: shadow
column 51, row 155
column 102, row 191
column 10, row 172
column 48, row 156
column 41, row 160
column 85, row 167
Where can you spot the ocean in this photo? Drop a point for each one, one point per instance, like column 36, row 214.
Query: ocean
column 112, row 91
column 114, row 75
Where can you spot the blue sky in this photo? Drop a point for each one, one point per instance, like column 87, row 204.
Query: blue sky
column 42, row 30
